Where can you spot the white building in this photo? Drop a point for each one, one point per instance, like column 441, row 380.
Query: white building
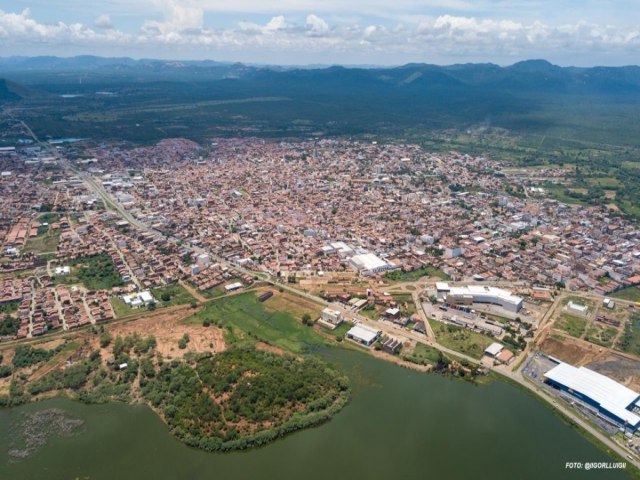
column 369, row 264
column 62, row 270
column 137, row 300
column 607, row 396
column 452, row 252
column 470, row 294
column 333, row 317
column 493, row 350
column 577, row 308
column 203, row 260
column 363, row 334
column 232, row 286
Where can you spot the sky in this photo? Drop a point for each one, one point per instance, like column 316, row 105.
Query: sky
column 347, row 32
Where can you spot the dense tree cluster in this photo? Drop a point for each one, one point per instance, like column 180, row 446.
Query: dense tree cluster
column 244, row 397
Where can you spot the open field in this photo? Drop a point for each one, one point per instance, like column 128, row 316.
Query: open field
column 632, row 294
column 96, row 272
column 243, row 316
column 570, row 350
column 624, row 370
column 461, row 340
column 572, row 324
column 601, row 334
column 177, row 295
column 629, row 341
column 167, row 328
column 423, row 354
column 45, row 243
column 398, row 276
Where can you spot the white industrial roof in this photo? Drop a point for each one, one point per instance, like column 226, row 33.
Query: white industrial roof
column 611, row 395
column 363, row 333
column 233, row 286
column 368, row 261
column 503, row 295
column 494, row 349
column 442, row 286
column 146, row 296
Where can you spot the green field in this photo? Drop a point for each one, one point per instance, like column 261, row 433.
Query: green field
column 399, row 276
column 601, row 335
column 178, row 295
column 574, row 326
column 120, row 308
column 96, row 272
column 460, row 339
column 423, row 355
column 244, row 318
column 44, row 243
column 629, row 341
column 632, row 294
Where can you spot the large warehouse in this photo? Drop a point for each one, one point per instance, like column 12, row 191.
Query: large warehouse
column 369, row 264
column 612, row 399
column 470, row 294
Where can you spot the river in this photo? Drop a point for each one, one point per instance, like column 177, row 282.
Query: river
column 399, row 425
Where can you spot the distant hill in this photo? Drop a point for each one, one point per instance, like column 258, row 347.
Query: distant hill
column 147, row 99
column 10, row 91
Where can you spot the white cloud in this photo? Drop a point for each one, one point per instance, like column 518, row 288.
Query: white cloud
column 317, row 27
column 446, row 36
column 104, row 22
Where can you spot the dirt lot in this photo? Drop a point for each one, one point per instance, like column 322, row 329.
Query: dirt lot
column 602, row 360
column 572, row 351
column 296, row 306
column 167, row 330
column 624, row 370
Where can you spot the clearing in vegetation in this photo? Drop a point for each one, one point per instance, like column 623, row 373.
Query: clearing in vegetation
column 243, row 316
column 573, row 325
column 460, row 339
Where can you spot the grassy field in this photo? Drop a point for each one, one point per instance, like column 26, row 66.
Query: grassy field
column 461, row 340
column 46, row 242
column 403, row 298
column 629, row 341
column 218, row 290
column 423, row 355
column 96, row 272
column 177, row 295
column 244, row 318
column 398, row 276
column 632, row 294
column 574, row 326
column 120, row 308
column 601, row 335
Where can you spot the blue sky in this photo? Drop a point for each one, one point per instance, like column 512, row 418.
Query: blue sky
column 382, row 32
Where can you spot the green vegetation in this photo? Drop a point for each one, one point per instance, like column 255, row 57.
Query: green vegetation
column 240, row 398
column 399, row 276
column 573, row 325
column 26, row 356
column 600, row 334
column 120, row 308
column 423, row 355
column 9, row 326
column 96, row 272
column 182, row 343
column 45, row 242
column 244, row 318
column 9, row 307
column 172, row 295
column 629, row 341
column 460, row 339
column 244, row 397
column 631, row 294
column 405, row 303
